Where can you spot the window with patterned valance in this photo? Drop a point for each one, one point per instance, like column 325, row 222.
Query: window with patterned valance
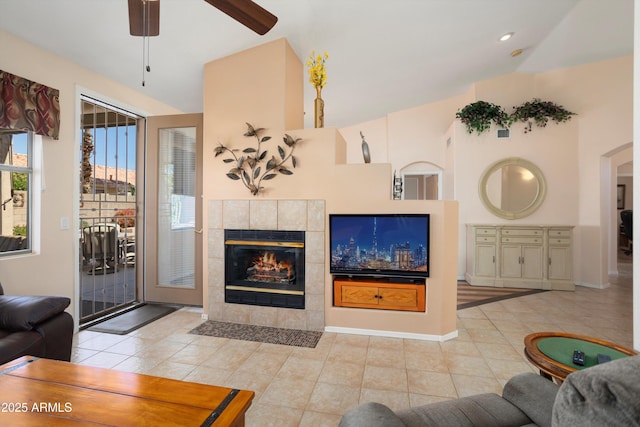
column 29, row 106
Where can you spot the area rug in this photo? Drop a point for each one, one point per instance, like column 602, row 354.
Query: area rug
column 472, row 296
column 134, row 319
column 265, row 334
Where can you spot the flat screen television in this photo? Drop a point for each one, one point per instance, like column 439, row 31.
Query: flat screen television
column 379, row 245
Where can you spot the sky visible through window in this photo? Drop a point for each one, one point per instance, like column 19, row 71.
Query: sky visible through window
column 115, row 146
column 120, row 151
column 19, row 143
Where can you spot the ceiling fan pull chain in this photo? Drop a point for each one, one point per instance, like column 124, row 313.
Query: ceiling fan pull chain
column 143, row 55
column 148, row 54
column 145, row 40
column 147, row 31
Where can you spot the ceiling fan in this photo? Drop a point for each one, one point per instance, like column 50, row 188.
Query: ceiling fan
column 144, row 15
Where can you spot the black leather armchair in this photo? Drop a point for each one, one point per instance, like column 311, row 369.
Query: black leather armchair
column 35, row 326
column 627, row 227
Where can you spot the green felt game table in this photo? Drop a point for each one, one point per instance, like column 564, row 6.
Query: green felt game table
column 552, row 352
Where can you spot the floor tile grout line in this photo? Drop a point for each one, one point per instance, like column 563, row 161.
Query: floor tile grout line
column 556, row 304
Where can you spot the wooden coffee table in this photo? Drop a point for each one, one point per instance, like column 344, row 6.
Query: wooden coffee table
column 552, row 352
column 38, row 392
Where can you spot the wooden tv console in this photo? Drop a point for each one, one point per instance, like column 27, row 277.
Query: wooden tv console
column 379, row 293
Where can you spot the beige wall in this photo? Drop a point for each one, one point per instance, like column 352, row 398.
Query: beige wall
column 322, row 174
column 278, row 101
column 52, row 270
column 600, row 93
column 405, row 137
column 570, row 154
column 474, row 154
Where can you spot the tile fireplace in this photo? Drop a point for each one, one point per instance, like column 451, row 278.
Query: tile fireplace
column 306, row 216
column 265, row 268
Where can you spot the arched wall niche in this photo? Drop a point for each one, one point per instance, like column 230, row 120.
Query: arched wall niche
column 422, row 181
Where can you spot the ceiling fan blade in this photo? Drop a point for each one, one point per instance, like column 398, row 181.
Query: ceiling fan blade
column 247, row 13
column 144, row 17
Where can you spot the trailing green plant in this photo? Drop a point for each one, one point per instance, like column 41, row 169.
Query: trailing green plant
column 248, row 166
column 479, row 115
column 19, row 230
column 20, row 181
column 540, row 112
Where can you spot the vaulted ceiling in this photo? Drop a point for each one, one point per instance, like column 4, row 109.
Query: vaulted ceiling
column 385, row 55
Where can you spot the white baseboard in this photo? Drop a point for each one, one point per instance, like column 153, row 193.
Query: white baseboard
column 592, row 286
column 392, row 334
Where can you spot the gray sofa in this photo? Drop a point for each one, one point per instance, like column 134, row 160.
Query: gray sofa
column 604, row 395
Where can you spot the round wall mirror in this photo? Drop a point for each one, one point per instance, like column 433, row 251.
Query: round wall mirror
column 512, row 188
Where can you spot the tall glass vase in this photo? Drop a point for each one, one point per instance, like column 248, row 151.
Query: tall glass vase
column 319, row 109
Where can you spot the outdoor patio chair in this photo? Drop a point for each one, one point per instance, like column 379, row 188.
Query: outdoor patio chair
column 100, row 248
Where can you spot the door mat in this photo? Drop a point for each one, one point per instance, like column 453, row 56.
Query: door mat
column 472, row 296
column 134, row 319
column 265, row 334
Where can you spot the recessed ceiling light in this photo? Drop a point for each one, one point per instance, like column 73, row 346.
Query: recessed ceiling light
column 516, row 52
column 505, row 37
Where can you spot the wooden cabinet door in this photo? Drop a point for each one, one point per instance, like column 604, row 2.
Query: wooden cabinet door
column 397, row 297
column 359, row 294
column 560, row 263
column 511, row 261
column 383, row 295
column 486, row 260
column 532, row 266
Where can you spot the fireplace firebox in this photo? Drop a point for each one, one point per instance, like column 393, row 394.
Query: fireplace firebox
column 264, row 267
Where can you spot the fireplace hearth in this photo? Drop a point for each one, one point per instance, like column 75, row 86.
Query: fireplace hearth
column 265, row 267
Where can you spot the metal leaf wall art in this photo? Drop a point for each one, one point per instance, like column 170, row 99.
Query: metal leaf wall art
column 249, row 165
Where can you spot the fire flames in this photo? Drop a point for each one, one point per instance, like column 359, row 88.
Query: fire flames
column 268, row 264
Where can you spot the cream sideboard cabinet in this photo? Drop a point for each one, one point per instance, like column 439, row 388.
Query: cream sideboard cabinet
column 522, row 256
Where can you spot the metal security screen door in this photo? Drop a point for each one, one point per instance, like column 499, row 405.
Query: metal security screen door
column 108, row 210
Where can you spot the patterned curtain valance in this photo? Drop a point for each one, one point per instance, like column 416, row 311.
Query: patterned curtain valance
column 27, row 105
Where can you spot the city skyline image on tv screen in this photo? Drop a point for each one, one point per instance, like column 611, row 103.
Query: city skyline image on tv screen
column 380, row 244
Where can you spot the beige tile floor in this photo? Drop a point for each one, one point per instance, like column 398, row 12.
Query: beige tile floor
column 314, row 387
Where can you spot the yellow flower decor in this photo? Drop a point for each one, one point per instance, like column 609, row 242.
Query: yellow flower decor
column 317, row 71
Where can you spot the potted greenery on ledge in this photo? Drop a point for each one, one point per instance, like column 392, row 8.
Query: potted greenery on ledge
column 479, row 115
column 540, row 112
